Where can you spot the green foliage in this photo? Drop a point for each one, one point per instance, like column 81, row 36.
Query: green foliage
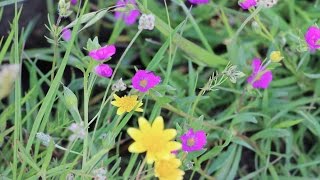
column 251, row 134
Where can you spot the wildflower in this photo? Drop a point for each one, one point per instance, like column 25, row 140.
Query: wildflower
column 153, row 139
column 103, row 70
column 146, row 21
column 74, row 2
column 199, row 1
column 119, row 86
column 66, row 34
column 127, row 104
column 129, row 17
column 78, row 131
column 247, row 4
column 103, row 53
column 312, row 38
column 8, row 74
column 193, row 141
column 267, row 3
column 275, row 56
column 168, row 169
column 260, row 77
column 144, row 80
column 44, row 138
column 100, row 174
column 233, row 74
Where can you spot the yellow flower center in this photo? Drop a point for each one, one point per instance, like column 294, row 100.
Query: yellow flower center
column 143, row 83
column 190, row 142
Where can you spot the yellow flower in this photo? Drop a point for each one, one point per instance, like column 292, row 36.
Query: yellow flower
column 153, row 139
column 168, row 169
column 275, row 56
column 127, row 104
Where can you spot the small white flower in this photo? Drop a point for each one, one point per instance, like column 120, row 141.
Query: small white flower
column 119, row 86
column 78, row 131
column 146, row 21
column 44, row 138
column 100, row 174
column 267, row 3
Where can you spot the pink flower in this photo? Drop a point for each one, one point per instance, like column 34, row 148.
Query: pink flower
column 260, row 78
column 312, row 37
column 144, row 80
column 74, row 2
column 103, row 53
column 199, row 1
column 128, row 17
column 66, row 34
column 193, row 141
column 103, row 70
column 247, row 4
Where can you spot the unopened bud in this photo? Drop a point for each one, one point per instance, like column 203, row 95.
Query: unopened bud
column 275, row 56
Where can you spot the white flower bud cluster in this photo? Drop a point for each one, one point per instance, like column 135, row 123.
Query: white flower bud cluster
column 64, row 8
column 78, row 131
column 267, row 3
column 146, row 21
column 100, row 174
column 119, row 86
column 44, row 138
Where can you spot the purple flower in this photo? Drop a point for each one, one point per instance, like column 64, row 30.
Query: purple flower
column 247, row 4
column 66, row 34
column 199, row 1
column 193, row 141
column 260, row 77
column 103, row 52
column 128, row 17
column 74, row 2
column 144, row 80
column 103, row 70
column 312, row 37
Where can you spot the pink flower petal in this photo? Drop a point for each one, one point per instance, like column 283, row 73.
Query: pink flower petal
column 247, row 4
column 103, row 53
column 312, row 38
column 103, row 70
column 199, row 1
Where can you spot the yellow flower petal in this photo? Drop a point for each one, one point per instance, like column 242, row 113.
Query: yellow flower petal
column 157, row 124
column 116, row 97
column 135, row 134
column 137, row 148
column 120, row 111
column 139, row 110
column 169, row 134
column 173, row 145
column 150, row 158
column 144, row 124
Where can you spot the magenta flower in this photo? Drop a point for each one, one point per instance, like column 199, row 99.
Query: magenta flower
column 260, row 77
column 74, row 2
column 128, row 17
column 312, row 37
column 247, row 4
column 103, row 70
column 66, row 34
column 144, row 80
column 103, row 53
column 199, row 1
column 193, row 140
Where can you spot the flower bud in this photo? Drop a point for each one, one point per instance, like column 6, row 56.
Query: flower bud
column 70, row 98
column 147, row 22
column 275, row 56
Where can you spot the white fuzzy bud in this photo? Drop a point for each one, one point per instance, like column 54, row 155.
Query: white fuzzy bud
column 146, row 21
column 44, row 138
